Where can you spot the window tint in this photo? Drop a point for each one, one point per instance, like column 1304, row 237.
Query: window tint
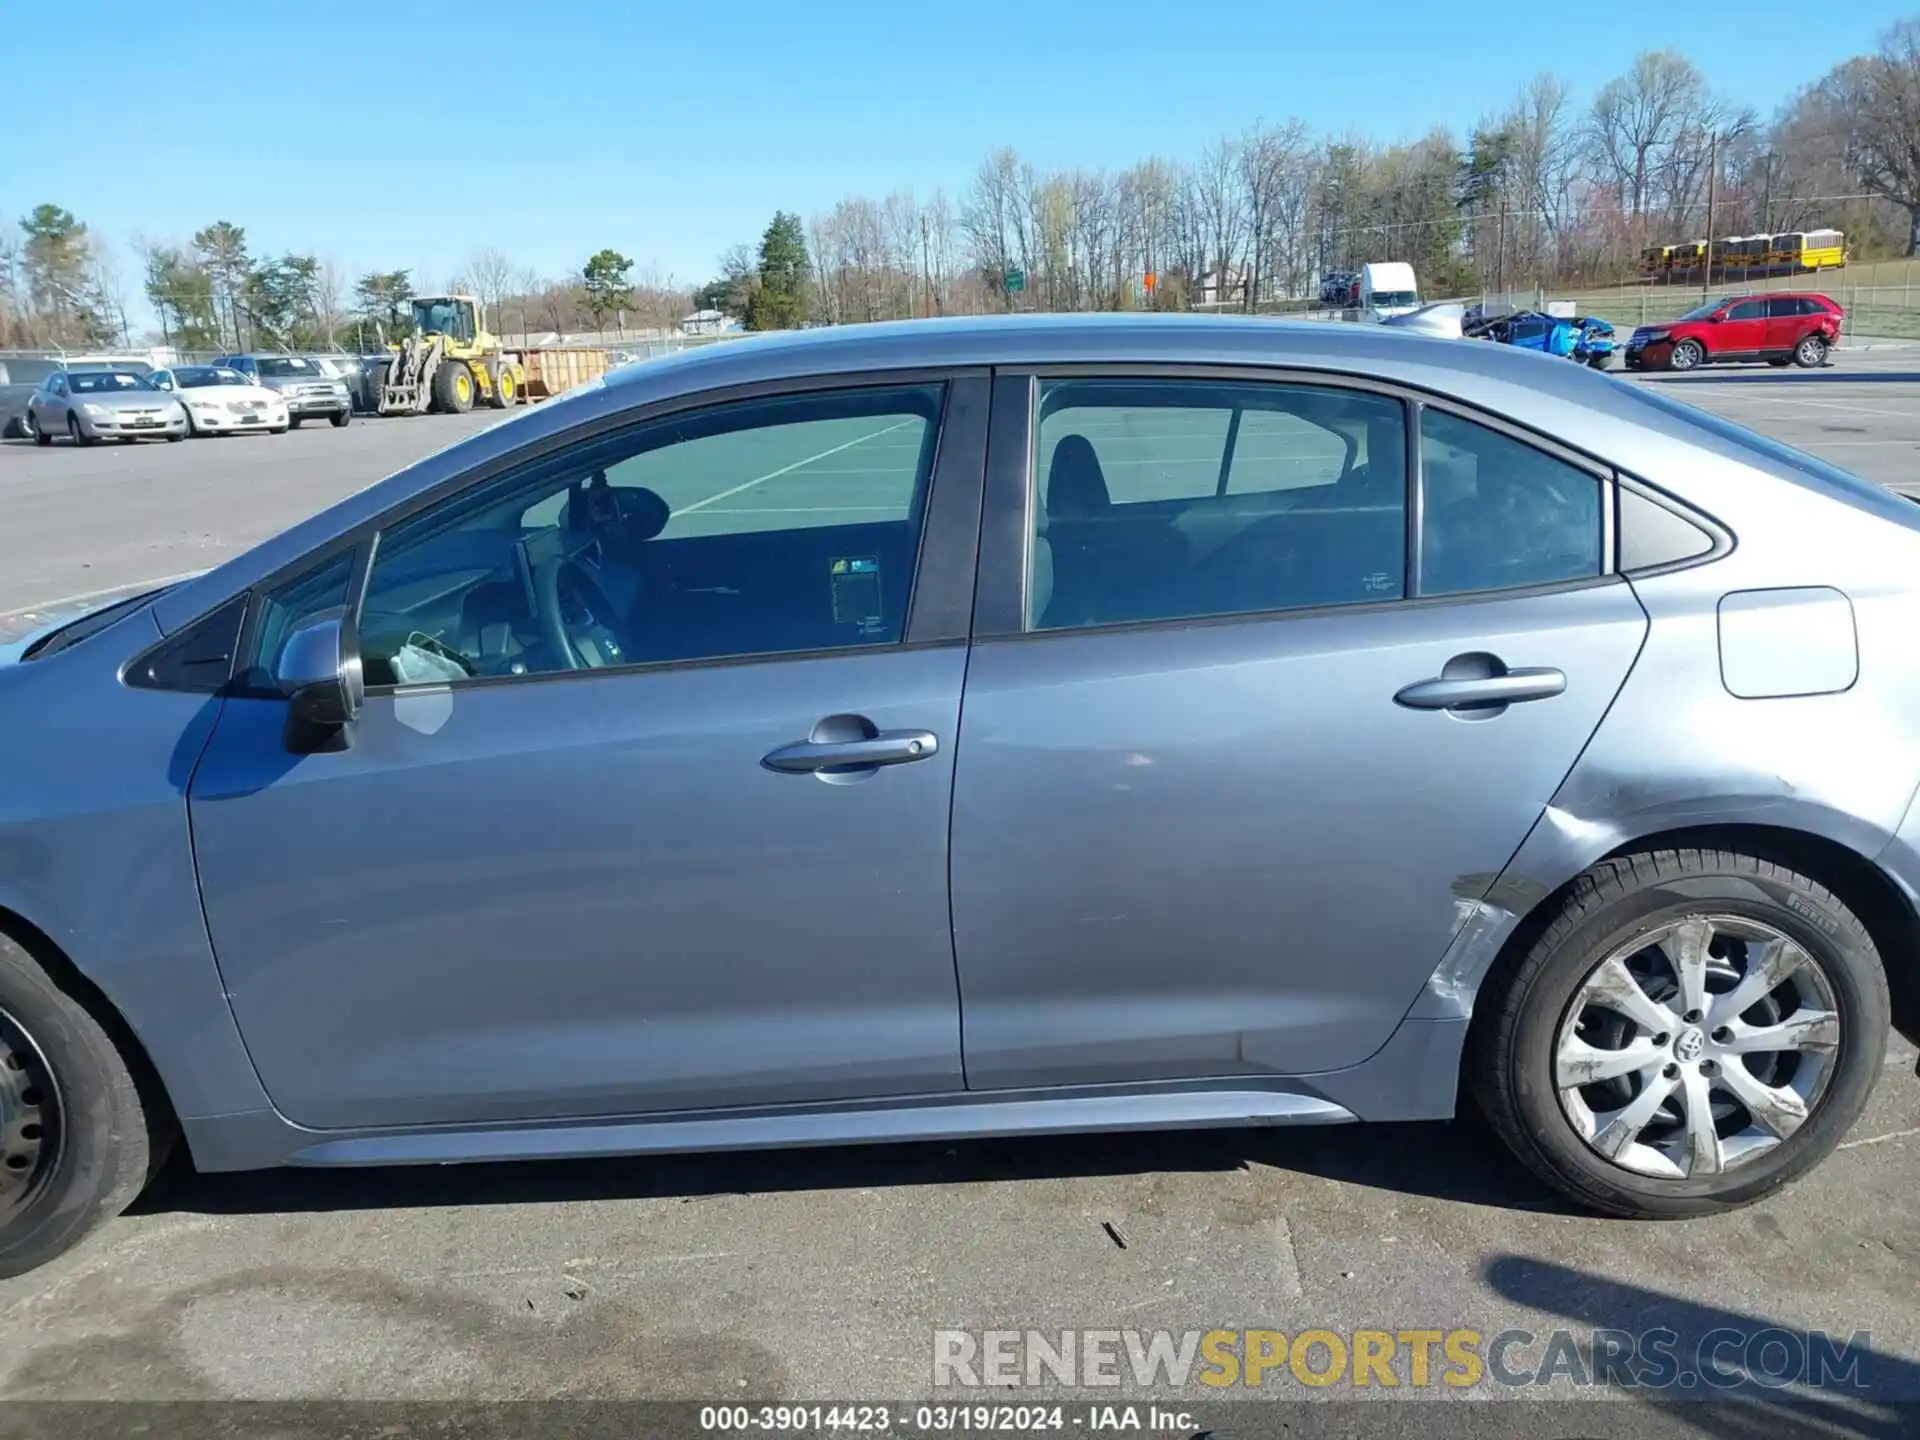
column 1498, row 513
column 1748, row 310
column 1788, row 307
column 766, row 527
column 1163, row 499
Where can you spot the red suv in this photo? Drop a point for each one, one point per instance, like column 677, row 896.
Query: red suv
column 1779, row 329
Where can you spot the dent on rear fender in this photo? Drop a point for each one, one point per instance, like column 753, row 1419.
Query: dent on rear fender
column 1678, row 751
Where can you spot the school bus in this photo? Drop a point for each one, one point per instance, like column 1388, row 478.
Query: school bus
column 1688, row 256
column 1808, row 250
column 1656, row 261
column 1823, row 250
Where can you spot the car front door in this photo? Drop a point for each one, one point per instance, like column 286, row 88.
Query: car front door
column 647, row 807
column 49, row 405
column 1743, row 333
column 1225, row 792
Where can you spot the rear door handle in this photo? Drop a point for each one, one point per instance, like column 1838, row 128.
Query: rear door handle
column 889, row 747
column 1540, row 682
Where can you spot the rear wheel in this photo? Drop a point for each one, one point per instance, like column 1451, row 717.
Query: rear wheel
column 1811, row 352
column 453, row 388
column 76, row 1142
column 1688, row 355
column 1693, row 1030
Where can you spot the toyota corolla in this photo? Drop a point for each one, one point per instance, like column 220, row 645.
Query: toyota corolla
column 986, row 728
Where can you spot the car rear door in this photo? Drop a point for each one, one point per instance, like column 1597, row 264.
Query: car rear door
column 708, row 870
column 1225, row 792
column 1743, row 334
column 1788, row 318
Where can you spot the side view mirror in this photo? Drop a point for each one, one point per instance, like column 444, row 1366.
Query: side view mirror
column 1715, row 319
column 321, row 676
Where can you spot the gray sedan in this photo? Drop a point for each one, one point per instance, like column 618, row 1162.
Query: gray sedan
column 88, row 406
column 982, row 728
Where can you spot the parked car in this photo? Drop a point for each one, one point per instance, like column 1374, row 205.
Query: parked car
column 351, row 371
column 310, row 393
column 20, row 376
column 88, row 406
column 1580, row 338
column 1779, row 329
column 599, row 784
column 220, row 400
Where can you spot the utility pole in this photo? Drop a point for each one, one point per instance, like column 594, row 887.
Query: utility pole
column 1713, row 175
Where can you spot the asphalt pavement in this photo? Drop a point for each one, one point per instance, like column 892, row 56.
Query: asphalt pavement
column 824, row 1274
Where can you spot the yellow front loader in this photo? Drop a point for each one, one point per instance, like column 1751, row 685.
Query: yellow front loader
column 449, row 363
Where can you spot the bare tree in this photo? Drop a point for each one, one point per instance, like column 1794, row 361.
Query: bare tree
column 330, row 300
column 1639, row 116
column 1220, row 214
column 1879, row 97
column 1273, row 173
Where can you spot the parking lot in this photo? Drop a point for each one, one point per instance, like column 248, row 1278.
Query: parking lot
column 822, row 1274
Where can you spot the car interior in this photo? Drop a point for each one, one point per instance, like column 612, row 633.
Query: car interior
column 577, row 572
column 1498, row 514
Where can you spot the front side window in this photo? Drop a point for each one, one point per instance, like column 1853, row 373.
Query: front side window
column 1498, row 514
column 1748, row 310
column 767, row 527
column 1166, row 499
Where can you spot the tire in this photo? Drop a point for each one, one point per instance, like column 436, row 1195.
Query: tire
column 78, row 1136
column 453, row 388
column 193, row 430
column 280, row 429
column 1780, row 362
column 40, row 437
column 1687, row 355
column 1811, row 353
column 504, row 392
column 341, row 419
column 1608, row 916
column 1599, row 362
column 292, row 424
column 76, row 434
column 175, row 439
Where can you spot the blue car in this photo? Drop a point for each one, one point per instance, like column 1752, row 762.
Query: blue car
column 1580, row 338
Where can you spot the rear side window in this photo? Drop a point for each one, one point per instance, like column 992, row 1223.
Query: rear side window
column 1499, row 514
column 1170, row 499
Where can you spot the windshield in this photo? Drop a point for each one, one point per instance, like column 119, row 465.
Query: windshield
column 441, row 317
column 1383, row 299
column 100, row 382
column 292, row 365
column 196, row 375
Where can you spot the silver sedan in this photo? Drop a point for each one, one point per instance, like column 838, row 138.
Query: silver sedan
column 88, row 406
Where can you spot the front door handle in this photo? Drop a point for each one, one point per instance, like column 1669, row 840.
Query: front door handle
column 1473, row 692
column 888, row 747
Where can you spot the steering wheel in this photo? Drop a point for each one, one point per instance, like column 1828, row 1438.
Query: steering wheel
column 555, row 576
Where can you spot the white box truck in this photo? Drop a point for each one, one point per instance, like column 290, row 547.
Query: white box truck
column 1386, row 289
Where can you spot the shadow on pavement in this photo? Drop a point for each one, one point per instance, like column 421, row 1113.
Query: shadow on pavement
column 1459, row 1161
column 1727, row 1356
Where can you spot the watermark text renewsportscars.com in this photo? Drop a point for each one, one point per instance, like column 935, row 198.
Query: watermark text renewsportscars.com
column 1457, row 1358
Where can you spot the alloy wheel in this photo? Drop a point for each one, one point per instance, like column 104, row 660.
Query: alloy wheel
column 29, row 1118
column 1697, row 1048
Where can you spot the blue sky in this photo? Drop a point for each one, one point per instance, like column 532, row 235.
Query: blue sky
column 401, row 134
